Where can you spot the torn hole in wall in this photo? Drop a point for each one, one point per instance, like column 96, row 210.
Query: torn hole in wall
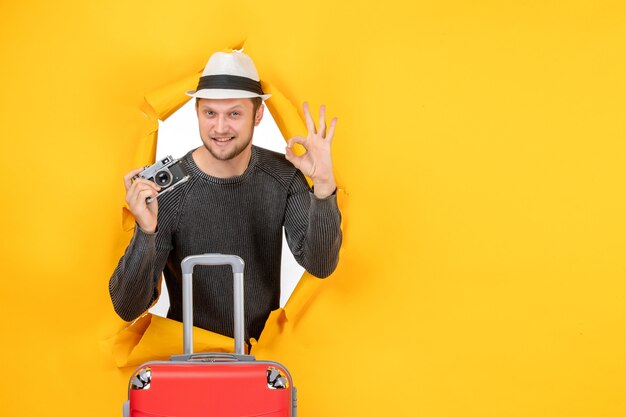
column 177, row 135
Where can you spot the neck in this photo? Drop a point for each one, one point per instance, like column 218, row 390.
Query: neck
column 222, row 169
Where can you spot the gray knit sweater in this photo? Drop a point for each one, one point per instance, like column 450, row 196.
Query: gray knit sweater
column 243, row 216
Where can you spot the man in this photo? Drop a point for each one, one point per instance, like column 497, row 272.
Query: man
column 237, row 201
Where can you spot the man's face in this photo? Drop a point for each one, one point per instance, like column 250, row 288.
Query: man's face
column 226, row 125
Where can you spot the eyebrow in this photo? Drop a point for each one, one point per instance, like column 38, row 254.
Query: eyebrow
column 235, row 107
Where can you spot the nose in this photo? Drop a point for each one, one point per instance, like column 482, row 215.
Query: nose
column 221, row 125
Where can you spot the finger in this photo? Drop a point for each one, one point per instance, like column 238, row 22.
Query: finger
column 133, row 197
column 144, row 194
column 142, row 183
column 310, row 124
column 139, row 186
column 331, row 130
column 289, row 154
column 128, row 178
column 322, row 123
column 296, row 139
column 293, row 158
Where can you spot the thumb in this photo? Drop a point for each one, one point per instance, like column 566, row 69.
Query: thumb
column 295, row 160
column 290, row 155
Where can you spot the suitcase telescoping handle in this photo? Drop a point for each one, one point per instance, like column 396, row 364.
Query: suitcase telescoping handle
column 212, row 259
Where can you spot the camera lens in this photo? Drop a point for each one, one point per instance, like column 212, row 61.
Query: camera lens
column 163, row 178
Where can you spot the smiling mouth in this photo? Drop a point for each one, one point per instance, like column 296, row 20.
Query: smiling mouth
column 223, row 140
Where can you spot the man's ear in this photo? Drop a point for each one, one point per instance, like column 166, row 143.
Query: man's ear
column 259, row 114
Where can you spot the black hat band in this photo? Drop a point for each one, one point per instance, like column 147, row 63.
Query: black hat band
column 229, row 82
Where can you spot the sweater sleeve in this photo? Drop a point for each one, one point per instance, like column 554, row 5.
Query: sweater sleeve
column 313, row 229
column 134, row 285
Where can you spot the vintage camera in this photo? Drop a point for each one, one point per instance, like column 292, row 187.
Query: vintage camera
column 168, row 173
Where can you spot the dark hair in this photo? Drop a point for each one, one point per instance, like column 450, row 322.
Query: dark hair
column 256, row 103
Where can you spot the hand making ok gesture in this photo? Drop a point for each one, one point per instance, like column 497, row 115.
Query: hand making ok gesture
column 316, row 163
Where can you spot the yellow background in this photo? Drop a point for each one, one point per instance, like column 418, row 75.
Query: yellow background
column 480, row 147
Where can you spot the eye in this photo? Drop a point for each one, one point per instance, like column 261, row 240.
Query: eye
column 235, row 114
column 209, row 113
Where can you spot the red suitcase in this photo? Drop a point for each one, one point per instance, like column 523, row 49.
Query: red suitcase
column 211, row 384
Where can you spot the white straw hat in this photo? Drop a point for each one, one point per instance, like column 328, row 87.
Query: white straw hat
column 229, row 75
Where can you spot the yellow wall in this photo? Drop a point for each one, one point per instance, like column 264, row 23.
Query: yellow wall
column 481, row 150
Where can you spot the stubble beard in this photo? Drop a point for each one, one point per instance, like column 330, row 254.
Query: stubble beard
column 232, row 154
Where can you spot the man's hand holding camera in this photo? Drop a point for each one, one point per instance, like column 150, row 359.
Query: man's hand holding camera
column 138, row 191
column 144, row 185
